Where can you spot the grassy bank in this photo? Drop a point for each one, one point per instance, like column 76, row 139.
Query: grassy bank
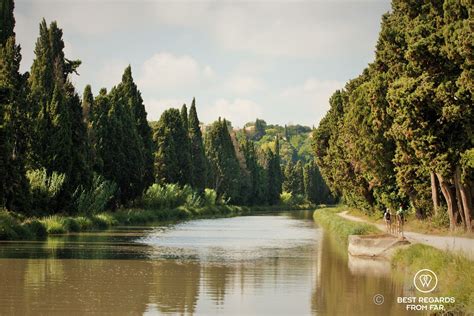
column 17, row 227
column 341, row 227
column 455, row 273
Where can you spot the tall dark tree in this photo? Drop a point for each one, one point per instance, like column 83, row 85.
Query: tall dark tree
column 13, row 119
column 225, row 170
column 118, row 144
column 172, row 163
column 274, row 173
column 198, row 157
column 60, row 142
column 7, row 21
column 132, row 96
column 258, row 185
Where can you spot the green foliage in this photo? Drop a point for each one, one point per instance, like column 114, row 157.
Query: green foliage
column 7, row 21
column 274, row 174
column 315, row 188
column 290, row 199
column 10, row 228
column 55, row 224
column 44, row 188
column 13, row 116
column 401, row 120
column 121, row 145
column 293, row 178
column 224, row 166
column 172, row 164
column 129, row 91
column 34, row 228
column 95, row 199
column 169, row 196
column 198, row 157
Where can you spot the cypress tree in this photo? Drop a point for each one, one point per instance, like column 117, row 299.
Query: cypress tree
column 7, row 21
column 129, row 91
column 186, row 147
column 172, row 163
column 13, row 119
column 87, row 104
column 274, row 178
column 223, row 161
column 257, row 191
column 198, row 157
column 60, row 143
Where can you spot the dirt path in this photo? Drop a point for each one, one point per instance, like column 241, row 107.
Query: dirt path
column 451, row 243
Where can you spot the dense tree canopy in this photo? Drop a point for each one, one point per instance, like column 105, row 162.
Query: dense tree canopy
column 398, row 133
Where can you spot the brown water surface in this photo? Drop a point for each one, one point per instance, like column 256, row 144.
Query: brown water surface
column 281, row 264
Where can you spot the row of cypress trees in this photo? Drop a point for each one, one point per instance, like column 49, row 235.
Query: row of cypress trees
column 46, row 126
column 402, row 132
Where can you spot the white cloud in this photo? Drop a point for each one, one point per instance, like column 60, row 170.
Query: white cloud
column 111, row 73
column 244, row 84
column 167, row 71
column 281, row 28
column 155, row 107
column 310, row 99
column 238, row 111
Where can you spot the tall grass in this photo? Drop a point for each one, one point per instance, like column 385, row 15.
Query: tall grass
column 454, row 271
column 170, row 196
column 44, row 188
column 328, row 218
column 94, row 200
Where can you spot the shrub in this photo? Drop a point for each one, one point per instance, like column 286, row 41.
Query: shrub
column 54, row 224
column 441, row 219
column 71, row 225
column 84, row 223
column 285, row 198
column 168, row 196
column 104, row 220
column 210, row 197
column 290, row 199
column 10, row 228
column 35, row 228
column 44, row 187
column 95, row 199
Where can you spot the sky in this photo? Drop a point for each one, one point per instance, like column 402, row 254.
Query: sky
column 276, row 60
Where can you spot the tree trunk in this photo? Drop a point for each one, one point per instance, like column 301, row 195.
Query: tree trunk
column 434, row 192
column 448, row 196
column 457, row 185
column 466, row 199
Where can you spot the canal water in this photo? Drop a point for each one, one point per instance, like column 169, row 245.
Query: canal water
column 278, row 264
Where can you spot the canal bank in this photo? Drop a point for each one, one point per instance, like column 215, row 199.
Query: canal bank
column 454, row 270
column 14, row 226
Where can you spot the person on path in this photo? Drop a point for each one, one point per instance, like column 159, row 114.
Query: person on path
column 388, row 220
column 401, row 214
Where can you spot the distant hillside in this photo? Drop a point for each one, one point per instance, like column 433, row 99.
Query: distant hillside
column 295, row 140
